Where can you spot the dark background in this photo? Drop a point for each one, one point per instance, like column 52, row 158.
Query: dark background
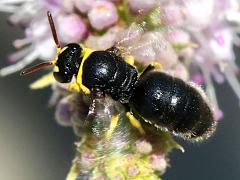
column 33, row 146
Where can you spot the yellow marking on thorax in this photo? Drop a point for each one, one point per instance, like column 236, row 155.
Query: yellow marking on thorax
column 55, row 69
column 86, row 53
column 60, row 50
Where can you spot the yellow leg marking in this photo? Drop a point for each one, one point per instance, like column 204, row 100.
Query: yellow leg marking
column 113, row 125
column 43, row 82
column 84, row 89
column 78, row 88
column 74, row 87
column 135, row 123
column 129, row 60
column 59, row 50
column 73, row 173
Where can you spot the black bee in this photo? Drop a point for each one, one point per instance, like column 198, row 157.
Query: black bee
column 162, row 100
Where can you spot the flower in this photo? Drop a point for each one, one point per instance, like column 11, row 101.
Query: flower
column 172, row 14
column 140, row 5
column 64, row 111
column 105, row 41
column 199, row 14
column 37, row 43
column 117, row 157
column 72, row 28
column 159, row 163
column 102, row 14
column 84, row 6
column 143, row 147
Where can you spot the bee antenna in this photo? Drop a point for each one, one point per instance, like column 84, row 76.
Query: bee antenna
column 53, row 29
column 37, row 67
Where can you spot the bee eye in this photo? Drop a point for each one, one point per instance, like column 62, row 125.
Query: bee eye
column 62, row 77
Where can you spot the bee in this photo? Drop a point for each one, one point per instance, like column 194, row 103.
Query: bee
column 161, row 100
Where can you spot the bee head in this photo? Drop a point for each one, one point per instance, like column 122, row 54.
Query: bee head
column 68, row 62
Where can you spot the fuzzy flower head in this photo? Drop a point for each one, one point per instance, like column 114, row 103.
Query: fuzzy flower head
column 116, row 156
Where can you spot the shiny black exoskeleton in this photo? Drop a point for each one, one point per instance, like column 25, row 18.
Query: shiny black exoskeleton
column 162, row 100
column 170, row 103
column 109, row 73
column 68, row 63
column 103, row 70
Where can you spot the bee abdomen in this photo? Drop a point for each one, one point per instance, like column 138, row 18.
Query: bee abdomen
column 111, row 74
column 170, row 103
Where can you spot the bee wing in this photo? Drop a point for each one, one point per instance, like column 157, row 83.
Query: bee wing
column 130, row 36
column 106, row 124
column 144, row 44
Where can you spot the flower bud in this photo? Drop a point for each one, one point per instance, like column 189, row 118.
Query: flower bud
column 72, row 28
column 103, row 14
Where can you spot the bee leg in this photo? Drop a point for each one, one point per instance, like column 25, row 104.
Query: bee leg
column 43, row 82
column 150, row 67
column 74, row 87
column 84, row 89
column 113, row 125
column 135, row 123
column 129, row 60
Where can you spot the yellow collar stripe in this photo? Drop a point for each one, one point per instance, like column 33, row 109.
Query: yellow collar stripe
column 86, row 53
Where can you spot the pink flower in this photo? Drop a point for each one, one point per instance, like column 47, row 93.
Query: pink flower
column 84, row 5
column 103, row 14
column 159, row 163
column 180, row 71
column 178, row 37
column 72, row 28
column 198, row 13
column 105, row 41
column 141, row 5
column 143, row 147
column 198, row 78
column 221, row 44
column 172, row 14
column 64, row 111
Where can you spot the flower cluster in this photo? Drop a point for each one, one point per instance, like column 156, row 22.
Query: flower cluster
column 191, row 39
column 125, row 154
